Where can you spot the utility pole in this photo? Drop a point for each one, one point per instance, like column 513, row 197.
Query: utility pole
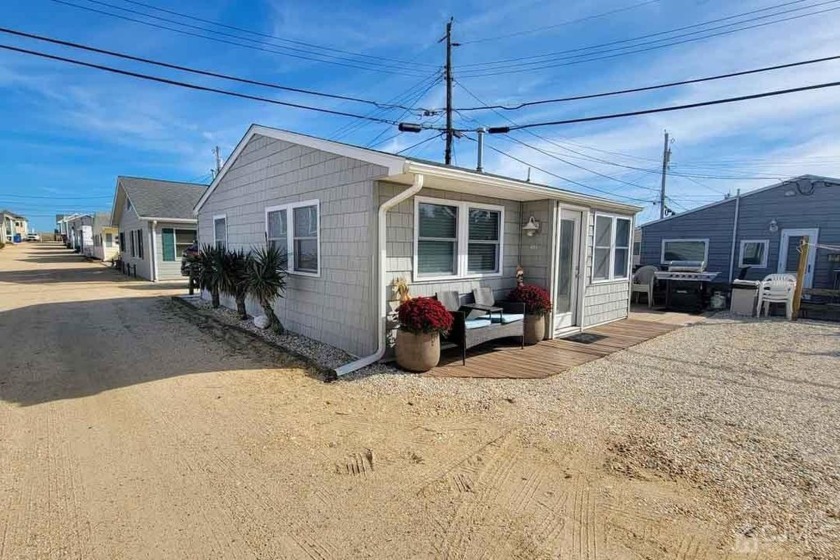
column 218, row 155
column 447, row 155
column 666, row 158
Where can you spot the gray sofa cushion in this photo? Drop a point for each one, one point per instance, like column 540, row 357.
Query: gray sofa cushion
column 484, row 296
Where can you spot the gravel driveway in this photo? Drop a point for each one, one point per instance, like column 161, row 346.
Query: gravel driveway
column 131, row 427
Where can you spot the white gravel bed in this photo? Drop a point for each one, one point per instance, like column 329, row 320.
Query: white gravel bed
column 748, row 410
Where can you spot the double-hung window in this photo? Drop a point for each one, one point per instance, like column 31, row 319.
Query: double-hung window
column 109, row 239
column 220, row 231
column 175, row 242
column 611, row 250
column 753, row 253
column 295, row 230
column 457, row 239
column 685, row 250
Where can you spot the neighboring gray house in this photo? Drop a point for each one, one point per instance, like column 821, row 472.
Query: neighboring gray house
column 353, row 219
column 760, row 230
column 155, row 224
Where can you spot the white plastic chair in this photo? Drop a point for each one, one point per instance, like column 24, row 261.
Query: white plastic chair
column 643, row 283
column 776, row 288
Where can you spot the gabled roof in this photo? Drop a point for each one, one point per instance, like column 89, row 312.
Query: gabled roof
column 400, row 168
column 809, row 178
column 156, row 199
column 12, row 214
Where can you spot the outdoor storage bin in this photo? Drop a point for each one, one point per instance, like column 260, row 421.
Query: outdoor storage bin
column 744, row 294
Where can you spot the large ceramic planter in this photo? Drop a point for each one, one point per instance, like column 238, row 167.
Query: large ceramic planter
column 534, row 328
column 417, row 352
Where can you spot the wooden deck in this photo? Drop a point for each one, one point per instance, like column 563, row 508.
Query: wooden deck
column 503, row 360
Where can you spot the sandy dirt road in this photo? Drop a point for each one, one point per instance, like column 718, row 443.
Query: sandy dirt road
column 129, row 428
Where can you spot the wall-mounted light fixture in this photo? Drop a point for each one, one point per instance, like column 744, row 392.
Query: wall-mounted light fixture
column 774, row 226
column 532, row 227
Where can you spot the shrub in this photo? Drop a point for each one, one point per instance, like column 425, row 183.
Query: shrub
column 234, row 278
column 266, row 281
column 424, row 315
column 207, row 266
column 536, row 299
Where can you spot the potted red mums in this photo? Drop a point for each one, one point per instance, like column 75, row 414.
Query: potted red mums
column 422, row 321
column 537, row 306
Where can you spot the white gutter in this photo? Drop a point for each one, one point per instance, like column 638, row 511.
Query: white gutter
column 154, row 253
column 734, row 236
column 382, row 224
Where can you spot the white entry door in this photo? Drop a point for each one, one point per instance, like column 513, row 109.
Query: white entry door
column 789, row 253
column 568, row 270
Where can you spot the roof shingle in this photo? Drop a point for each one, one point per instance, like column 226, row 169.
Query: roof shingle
column 154, row 198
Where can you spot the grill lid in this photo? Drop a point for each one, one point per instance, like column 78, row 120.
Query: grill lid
column 686, row 266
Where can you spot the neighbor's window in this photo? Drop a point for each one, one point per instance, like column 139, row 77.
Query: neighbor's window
column 220, row 231
column 122, row 241
column 754, row 253
column 684, row 250
column 132, row 235
column 109, row 239
column 484, row 241
column 175, row 242
column 446, row 247
column 140, row 243
column 611, row 251
column 294, row 228
column 437, row 239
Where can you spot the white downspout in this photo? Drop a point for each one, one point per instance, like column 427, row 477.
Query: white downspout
column 382, row 245
column 154, row 253
column 734, row 236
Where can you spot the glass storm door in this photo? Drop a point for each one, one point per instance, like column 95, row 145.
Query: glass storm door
column 568, row 270
column 789, row 253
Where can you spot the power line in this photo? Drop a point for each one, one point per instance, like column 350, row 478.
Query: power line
column 420, row 143
column 561, row 24
column 547, row 64
column 374, row 68
column 26, row 196
column 652, row 87
column 402, row 115
column 198, row 71
column 193, row 86
column 637, row 38
column 582, row 185
column 670, row 108
column 274, row 37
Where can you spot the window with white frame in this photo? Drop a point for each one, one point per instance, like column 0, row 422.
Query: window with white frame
column 754, row 253
column 457, row 239
column 685, row 250
column 611, row 250
column 295, row 229
column 220, row 231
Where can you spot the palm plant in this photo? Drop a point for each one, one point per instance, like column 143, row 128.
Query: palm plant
column 208, row 271
column 234, row 278
column 267, row 281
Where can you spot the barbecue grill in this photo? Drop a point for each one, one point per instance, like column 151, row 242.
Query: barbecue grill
column 686, row 285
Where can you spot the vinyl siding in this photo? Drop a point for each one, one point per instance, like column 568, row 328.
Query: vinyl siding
column 818, row 210
column 128, row 223
column 535, row 255
column 338, row 307
column 169, row 270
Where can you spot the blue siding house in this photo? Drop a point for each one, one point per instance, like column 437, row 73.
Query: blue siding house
column 760, row 230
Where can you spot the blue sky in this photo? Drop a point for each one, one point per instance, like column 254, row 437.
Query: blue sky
column 67, row 132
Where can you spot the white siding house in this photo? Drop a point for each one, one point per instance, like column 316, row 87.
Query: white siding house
column 154, row 221
column 354, row 219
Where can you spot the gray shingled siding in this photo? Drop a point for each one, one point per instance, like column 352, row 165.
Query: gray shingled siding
column 535, row 254
column 338, row 307
column 819, row 210
column 169, row 270
column 401, row 243
column 605, row 301
column 128, row 223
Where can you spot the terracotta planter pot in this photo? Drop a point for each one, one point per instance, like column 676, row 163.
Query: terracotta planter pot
column 417, row 352
column 534, row 328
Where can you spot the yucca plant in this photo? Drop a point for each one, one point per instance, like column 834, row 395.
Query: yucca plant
column 234, row 278
column 207, row 266
column 267, row 281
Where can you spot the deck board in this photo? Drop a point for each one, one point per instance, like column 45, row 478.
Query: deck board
column 503, row 360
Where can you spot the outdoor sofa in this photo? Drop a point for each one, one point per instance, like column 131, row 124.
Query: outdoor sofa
column 478, row 318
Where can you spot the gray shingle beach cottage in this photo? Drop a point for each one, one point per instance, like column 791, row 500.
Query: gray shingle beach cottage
column 156, row 224
column 354, row 219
